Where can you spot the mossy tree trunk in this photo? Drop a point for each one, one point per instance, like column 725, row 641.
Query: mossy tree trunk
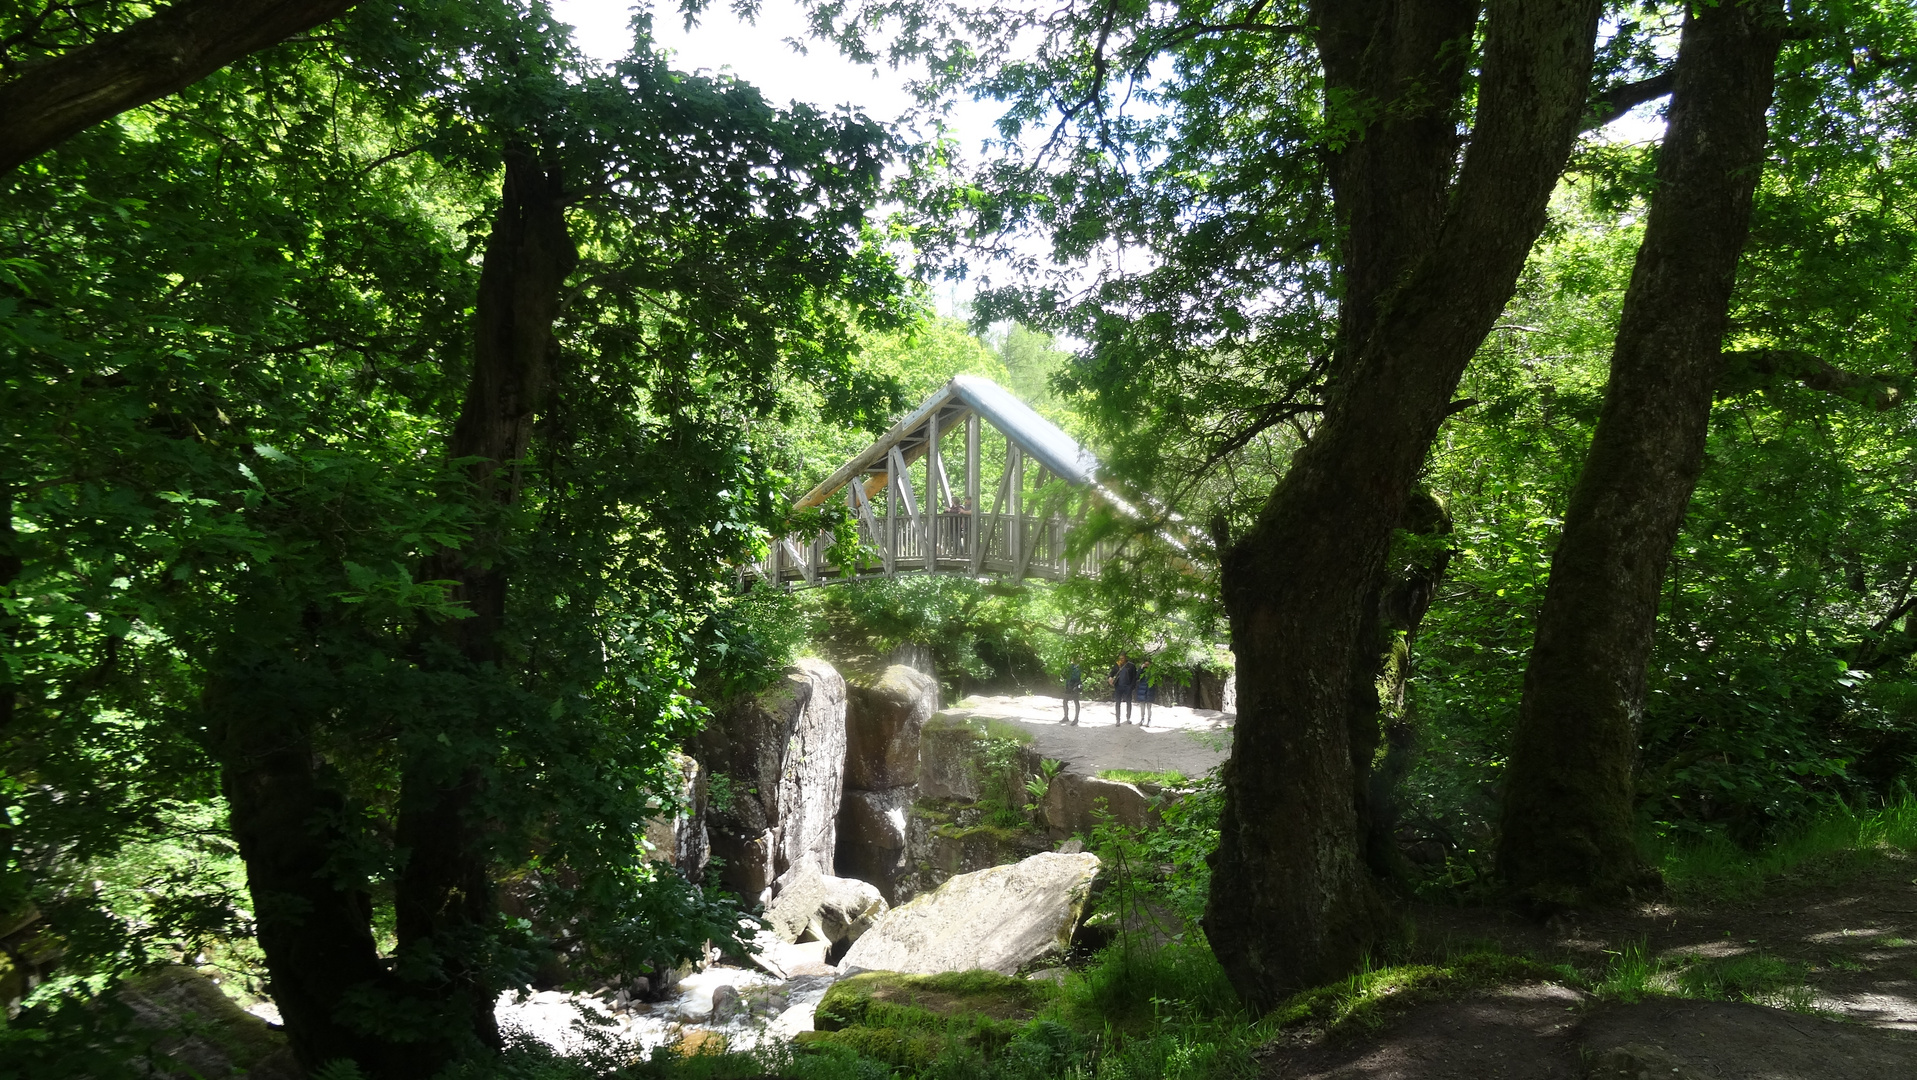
column 1431, row 253
column 1568, row 832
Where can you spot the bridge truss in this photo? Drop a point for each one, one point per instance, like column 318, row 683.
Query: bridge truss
column 907, row 510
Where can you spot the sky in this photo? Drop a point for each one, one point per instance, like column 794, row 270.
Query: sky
column 758, row 53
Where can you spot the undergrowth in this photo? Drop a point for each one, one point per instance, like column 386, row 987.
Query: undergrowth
column 1162, row 778
column 1836, row 844
column 1634, row 975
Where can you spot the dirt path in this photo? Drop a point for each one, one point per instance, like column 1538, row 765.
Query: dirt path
column 1856, row 937
column 1190, row 741
column 1550, row 1033
column 1851, row 935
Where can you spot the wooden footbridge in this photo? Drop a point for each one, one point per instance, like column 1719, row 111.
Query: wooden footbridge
column 911, row 519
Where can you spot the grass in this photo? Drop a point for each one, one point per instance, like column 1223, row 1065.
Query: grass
column 1162, row 778
column 995, row 728
column 1838, row 843
column 1635, row 975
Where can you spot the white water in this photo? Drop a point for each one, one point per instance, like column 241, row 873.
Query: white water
column 775, row 1010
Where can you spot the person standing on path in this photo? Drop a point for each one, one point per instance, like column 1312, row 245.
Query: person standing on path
column 1123, row 680
column 1074, row 694
column 1147, row 692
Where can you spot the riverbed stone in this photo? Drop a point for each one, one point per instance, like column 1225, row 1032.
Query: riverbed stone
column 998, row 919
column 819, row 907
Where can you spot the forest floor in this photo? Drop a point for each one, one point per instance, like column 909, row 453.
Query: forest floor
column 1825, row 960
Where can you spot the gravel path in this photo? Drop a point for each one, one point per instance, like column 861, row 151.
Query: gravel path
column 1191, row 741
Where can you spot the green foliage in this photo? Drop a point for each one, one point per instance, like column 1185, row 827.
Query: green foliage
column 237, row 328
column 999, row 761
column 1163, row 869
column 982, row 630
column 1169, row 778
column 1037, row 786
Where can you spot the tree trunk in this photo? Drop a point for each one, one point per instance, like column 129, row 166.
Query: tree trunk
column 1568, row 815
column 162, row 54
column 314, row 920
column 1292, row 902
column 1379, row 716
column 436, row 1004
column 445, row 898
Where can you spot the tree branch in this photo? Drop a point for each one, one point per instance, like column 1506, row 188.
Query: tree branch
column 157, row 56
column 1749, row 369
column 1608, row 105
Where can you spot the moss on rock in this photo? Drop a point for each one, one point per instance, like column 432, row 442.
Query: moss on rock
column 911, row 1020
column 889, row 999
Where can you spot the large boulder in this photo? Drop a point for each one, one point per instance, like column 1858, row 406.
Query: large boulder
column 1074, row 804
column 782, row 754
column 998, row 919
column 882, row 724
column 818, row 907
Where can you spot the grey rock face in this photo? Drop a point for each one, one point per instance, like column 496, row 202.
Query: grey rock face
column 874, row 836
column 680, row 840
column 918, row 658
column 782, row 753
column 997, row 919
column 946, row 769
column 882, row 728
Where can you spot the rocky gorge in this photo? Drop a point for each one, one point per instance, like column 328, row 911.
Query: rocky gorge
column 875, row 831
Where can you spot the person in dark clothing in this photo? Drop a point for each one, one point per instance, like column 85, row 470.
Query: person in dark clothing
column 1074, row 693
column 1123, row 680
column 1147, row 692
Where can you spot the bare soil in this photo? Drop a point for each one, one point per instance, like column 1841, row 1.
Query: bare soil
column 1853, row 928
column 1551, row 1033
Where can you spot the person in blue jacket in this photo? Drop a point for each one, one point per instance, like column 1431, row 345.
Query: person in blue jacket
column 1074, row 693
column 1123, row 681
column 1147, row 692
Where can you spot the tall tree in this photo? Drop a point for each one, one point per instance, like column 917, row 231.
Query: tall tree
column 1568, row 818
column 1430, row 253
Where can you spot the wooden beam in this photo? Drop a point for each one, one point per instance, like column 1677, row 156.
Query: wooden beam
column 902, row 487
column 888, row 547
column 933, row 468
column 971, row 490
column 879, row 450
column 998, row 507
column 1015, row 471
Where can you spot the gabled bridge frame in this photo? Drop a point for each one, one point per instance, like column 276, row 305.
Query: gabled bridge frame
column 915, row 529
